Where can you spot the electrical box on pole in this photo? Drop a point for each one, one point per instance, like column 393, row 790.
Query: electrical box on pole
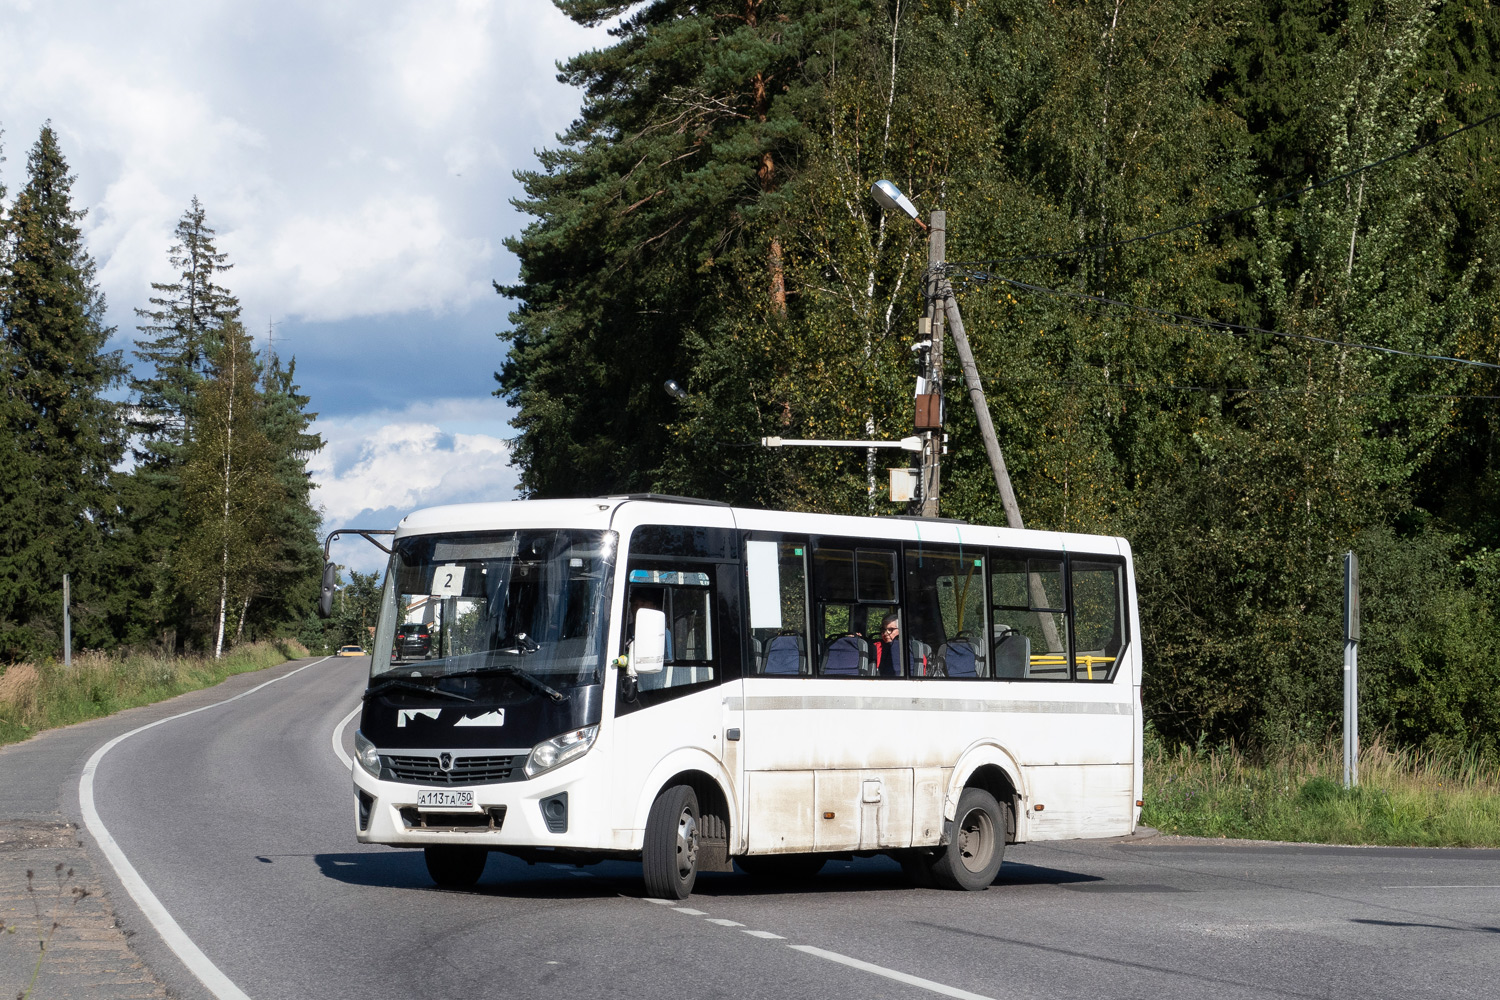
column 1351, row 670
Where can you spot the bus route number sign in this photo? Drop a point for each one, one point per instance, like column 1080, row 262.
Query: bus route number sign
column 448, row 581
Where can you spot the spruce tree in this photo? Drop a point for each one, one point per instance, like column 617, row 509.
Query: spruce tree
column 62, row 436
column 180, row 331
column 294, row 568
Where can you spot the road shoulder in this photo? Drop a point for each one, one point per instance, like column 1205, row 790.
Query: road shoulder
column 52, row 873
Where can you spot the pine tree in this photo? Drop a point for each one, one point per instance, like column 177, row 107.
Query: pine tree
column 230, row 490
column 663, row 210
column 62, row 436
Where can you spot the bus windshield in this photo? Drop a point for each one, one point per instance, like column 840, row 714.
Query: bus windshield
column 532, row 602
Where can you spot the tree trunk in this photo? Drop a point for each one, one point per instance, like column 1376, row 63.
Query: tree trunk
column 778, row 279
column 239, row 628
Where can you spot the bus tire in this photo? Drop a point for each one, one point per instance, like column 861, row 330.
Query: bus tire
column 455, row 866
column 972, row 858
column 669, row 855
column 782, row 867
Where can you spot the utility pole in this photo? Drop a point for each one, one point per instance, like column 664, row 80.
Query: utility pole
column 981, row 408
column 932, row 332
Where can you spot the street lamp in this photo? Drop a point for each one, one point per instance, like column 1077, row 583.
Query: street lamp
column 891, row 199
column 941, row 303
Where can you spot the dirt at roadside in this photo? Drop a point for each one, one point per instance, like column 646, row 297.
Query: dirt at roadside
column 88, row 956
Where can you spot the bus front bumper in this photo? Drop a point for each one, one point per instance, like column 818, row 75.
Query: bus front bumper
column 562, row 808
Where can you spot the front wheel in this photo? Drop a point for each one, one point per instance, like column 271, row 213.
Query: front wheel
column 455, row 866
column 669, row 856
column 972, row 858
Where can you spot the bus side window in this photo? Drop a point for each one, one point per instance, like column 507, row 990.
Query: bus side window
column 944, row 626
column 854, row 589
column 1098, row 619
column 1030, row 636
column 686, row 597
column 776, row 581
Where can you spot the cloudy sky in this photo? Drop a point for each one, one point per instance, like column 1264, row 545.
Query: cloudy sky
column 355, row 159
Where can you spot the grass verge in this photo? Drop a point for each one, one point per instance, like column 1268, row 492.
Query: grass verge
column 34, row 697
column 1405, row 797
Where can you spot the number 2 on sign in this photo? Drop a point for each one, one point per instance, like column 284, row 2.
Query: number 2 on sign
column 448, row 581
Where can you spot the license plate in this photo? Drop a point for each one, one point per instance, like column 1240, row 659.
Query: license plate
column 447, row 799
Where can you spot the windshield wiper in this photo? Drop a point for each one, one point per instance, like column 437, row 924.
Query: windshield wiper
column 505, row 669
column 406, row 685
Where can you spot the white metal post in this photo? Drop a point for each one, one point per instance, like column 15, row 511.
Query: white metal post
column 1351, row 670
column 67, row 623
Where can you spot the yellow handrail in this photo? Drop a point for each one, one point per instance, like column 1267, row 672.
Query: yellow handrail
column 1086, row 660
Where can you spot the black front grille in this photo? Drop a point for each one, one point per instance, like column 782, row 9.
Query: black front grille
column 465, row 771
column 492, row 818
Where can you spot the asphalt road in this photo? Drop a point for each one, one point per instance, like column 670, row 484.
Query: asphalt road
column 238, row 819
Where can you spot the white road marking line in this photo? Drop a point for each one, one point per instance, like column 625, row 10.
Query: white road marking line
column 833, row 956
column 338, row 741
column 1440, row 887
column 171, row 932
column 879, row 970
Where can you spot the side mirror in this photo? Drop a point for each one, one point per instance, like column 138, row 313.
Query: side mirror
column 648, row 650
column 325, row 596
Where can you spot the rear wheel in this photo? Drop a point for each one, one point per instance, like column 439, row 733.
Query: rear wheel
column 972, row 858
column 782, row 867
column 455, row 866
column 669, row 855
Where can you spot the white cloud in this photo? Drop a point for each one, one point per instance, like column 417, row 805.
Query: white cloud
column 444, row 451
column 355, row 158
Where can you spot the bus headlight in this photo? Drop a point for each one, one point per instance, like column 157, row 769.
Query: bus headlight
column 366, row 754
column 560, row 750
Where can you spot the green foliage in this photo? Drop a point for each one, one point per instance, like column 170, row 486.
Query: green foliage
column 231, row 493
column 47, row 695
column 212, row 530
column 1296, row 793
column 1240, row 467
column 61, row 435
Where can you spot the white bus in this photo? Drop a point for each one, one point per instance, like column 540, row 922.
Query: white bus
column 691, row 685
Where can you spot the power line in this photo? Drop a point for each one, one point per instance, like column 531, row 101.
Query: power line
column 1214, row 325
column 1276, row 199
column 1228, row 390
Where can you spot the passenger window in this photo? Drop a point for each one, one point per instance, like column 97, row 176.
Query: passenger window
column 1098, row 619
column 686, row 597
column 855, row 597
column 1030, row 634
column 945, row 613
column 776, row 576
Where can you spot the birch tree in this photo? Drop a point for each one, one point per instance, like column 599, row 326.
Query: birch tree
column 230, row 490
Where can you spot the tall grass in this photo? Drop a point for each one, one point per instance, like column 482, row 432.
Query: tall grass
column 34, row 697
column 1410, row 797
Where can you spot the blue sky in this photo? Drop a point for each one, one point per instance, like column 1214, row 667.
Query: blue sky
column 356, row 160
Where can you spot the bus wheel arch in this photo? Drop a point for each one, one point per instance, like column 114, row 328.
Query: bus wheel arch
column 716, row 815
column 992, row 768
column 993, row 779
